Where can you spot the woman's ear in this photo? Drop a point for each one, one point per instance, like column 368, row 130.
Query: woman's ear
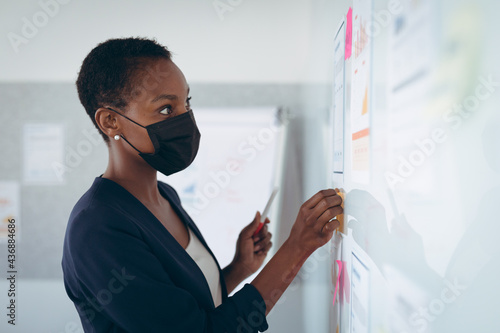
column 106, row 120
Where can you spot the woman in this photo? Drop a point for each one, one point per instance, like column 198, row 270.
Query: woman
column 133, row 260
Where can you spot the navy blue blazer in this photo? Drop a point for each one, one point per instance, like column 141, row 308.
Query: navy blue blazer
column 126, row 273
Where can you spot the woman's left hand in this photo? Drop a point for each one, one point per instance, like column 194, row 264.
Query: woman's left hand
column 252, row 250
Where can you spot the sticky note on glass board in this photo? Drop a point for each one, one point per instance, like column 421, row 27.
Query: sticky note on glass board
column 348, row 34
column 340, row 217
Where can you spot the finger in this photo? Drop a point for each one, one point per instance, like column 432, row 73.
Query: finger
column 252, row 227
column 256, row 220
column 261, row 254
column 329, row 215
column 261, row 243
column 325, row 204
column 262, row 237
column 262, row 230
column 266, row 221
column 313, row 201
column 334, row 200
column 329, row 228
column 261, row 234
column 264, row 247
column 330, row 225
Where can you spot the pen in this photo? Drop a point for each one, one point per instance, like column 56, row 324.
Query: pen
column 266, row 210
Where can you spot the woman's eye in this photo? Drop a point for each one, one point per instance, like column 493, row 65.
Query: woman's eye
column 166, row 110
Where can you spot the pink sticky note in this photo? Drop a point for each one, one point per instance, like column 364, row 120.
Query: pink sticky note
column 338, row 280
column 348, row 34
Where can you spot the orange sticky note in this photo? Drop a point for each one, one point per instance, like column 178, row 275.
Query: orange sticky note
column 340, row 217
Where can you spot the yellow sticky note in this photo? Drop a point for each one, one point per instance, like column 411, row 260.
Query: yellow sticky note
column 340, row 217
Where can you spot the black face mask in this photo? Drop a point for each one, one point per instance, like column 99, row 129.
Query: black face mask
column 176, row 141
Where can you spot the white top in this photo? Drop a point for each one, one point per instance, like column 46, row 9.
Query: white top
column 207, row 265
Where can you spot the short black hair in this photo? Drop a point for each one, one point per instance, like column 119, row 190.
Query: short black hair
column 110, row 71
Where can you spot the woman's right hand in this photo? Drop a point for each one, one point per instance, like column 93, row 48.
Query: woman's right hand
column 312, row 228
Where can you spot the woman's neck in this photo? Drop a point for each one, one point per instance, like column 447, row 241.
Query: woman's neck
column 136, row 176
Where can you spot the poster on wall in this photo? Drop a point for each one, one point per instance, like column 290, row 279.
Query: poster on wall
column 339, row 105
column 409, row 79
column 43, row 147
column 361, row 91
column 336, row 288
column 360, row 284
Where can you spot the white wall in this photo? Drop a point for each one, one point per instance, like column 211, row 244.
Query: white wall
column 254, row 41
column 258, row 41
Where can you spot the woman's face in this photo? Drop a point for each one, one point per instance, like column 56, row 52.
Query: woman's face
column 161, row 92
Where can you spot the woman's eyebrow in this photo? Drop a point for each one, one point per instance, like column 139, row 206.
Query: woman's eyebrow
column 166, row 96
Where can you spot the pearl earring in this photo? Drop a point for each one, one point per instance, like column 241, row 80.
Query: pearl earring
column 117, row 137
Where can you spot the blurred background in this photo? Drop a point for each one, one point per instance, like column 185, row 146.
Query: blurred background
column 421, row 217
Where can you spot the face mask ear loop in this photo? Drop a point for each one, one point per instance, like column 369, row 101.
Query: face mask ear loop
column 125, row 117
column 131, row 145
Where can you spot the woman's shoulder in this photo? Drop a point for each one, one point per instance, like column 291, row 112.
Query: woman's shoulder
column 101, row 206
column 100, row 223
